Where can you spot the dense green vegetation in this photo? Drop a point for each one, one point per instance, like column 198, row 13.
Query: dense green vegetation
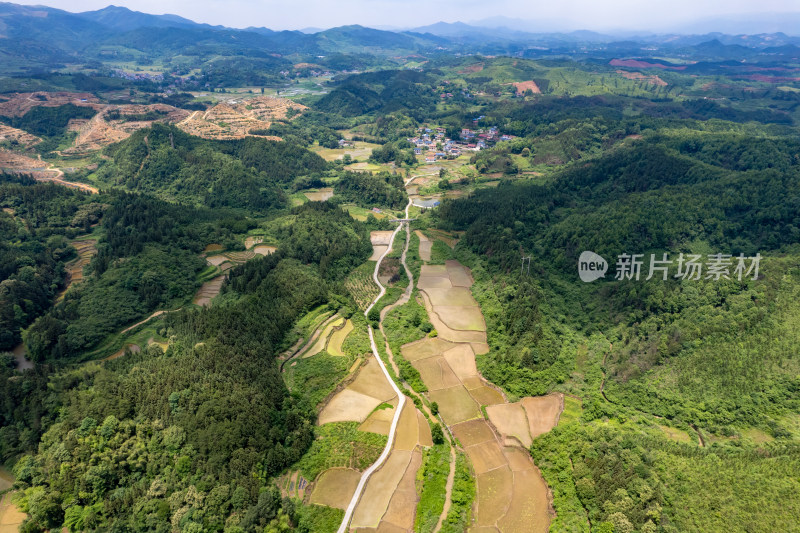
column 246, row 173
column 364, row 189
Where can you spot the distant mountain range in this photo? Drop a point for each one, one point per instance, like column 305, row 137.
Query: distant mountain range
column 35, row 37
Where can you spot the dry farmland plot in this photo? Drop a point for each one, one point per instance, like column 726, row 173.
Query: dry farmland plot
column 495, row 490
column 208, row 291
column 335, row 486
column 425, row 245
column 263, row 249
column 337, row 339
column 319, row 195
column 22, row 138
column 403, row 504
column 511, row 421
column 543, row 412
column 371, row 381
column 528, row 511
column 380, row 487
column 455, row 404
column 252, row 240
column 380, row 420
column 348, row 406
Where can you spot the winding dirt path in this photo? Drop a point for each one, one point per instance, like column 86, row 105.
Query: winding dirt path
column 348, row 513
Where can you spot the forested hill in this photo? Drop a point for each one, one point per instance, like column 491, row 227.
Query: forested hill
column 173, row 165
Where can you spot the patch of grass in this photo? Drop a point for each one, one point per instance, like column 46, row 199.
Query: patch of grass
column 440, row 252
column 318, row 518
column 402, row 325
column 316, row 377
column 433, row 476
column 458, row 518
column 341, row 444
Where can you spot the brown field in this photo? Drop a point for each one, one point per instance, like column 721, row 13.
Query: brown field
column 424, row 430
column 425, row 246
column 446, row 332
column 543, row 412
column 216, row 260
column 252, row 240
column 459, row 276
column 432, row 270
column 240, row 257
column 235, row 120
column 379, row 421
column 434, row 282
column 461, row 359
column 495, row 490
column 486, row 395
column 320, row 195
column 213, row 248
column 208, row 291
column 337, row 339
column 322, row 341
column 427, row 347
column 523, row 86
column 511, row 421
column 380, row 237
column 528, row 511
column 461, row 318
column 638, row 76
column 348, row 406
column 459, row 296
column 436, row 373
column 518, row 459
column 455, row 404
column 264, row 249
column 377, row 251
column 335, row 487
column 10, row 516
column 371, row 381
column 407, row 436
column 473, row 432
column 379, row 490
column 486, row 456
column 471, row 69
column 20, row 103
column 14, row 161
column 133, row 348
column 403, row 505
column 480, row 348
column 22, row 138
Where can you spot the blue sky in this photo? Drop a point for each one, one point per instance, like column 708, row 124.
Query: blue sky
column 558, row 15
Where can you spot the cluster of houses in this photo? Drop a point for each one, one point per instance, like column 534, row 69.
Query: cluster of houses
column 137, row 76
column 435, row 145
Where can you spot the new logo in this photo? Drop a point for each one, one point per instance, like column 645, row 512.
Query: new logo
column 591, row 266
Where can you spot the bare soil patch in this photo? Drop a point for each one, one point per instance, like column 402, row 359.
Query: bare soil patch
column 208, row 291
column 379, row 490
column 528, row 511
column 21, row 137
column 335, row 487
column 461, row 359
column 523, row 86
column 638, row 76
column 495, row 490
column 348, row 406
column 403, row 505
column 486, row 456
column 320, row 195
column 461, row 318
column 377, row 251
column 407, row 436
column 456, row 296
column 427, row 347
column 543, row 412
column 434, row 282
column 486, row 395
column 455, row 405
column 511, row 421
column 379, row 421
column 472, row 432
column 371, row 381
column 263, row 249
column 425, row 245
